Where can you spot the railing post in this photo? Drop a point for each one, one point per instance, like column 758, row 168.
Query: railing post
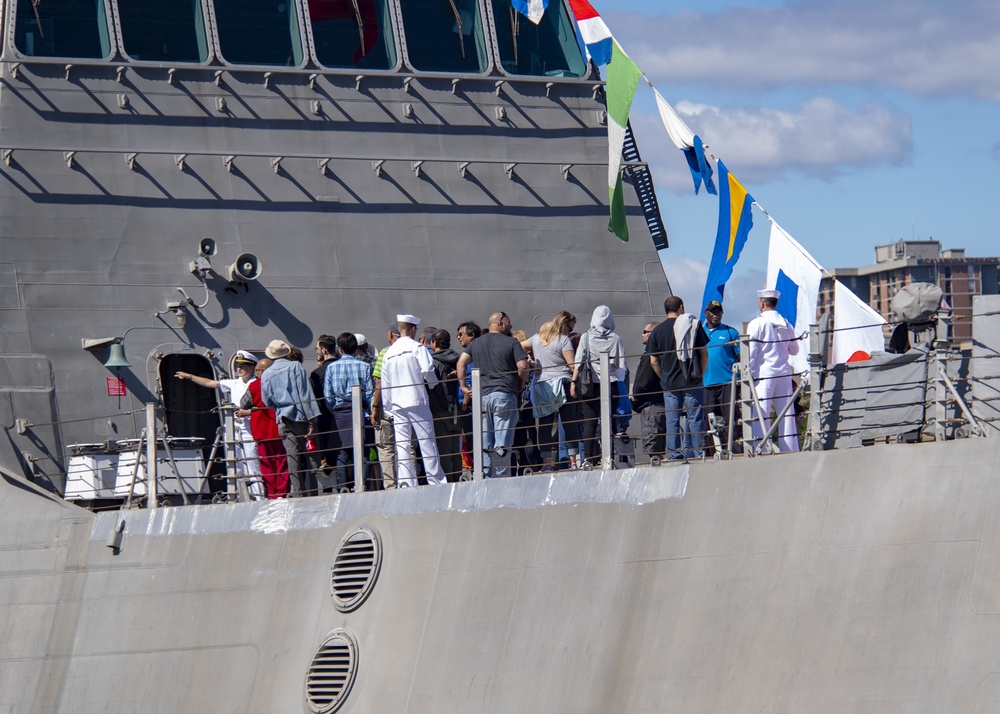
column 151, row 494
column 940, row 397
column 240, row 483
column 747, row 397
column 813, row 441
column 730, row 426
column 477, row 426
column 358, row 434
column 606, row 427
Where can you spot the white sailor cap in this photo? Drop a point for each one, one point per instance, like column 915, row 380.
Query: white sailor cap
column 411, row 319
column 244, row 356
column 768, row 293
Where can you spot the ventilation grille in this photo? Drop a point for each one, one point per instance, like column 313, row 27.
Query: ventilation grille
column 355, row 568
column 331, row 673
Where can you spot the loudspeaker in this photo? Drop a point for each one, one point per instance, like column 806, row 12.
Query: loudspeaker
column 206, row 247
column 247, row 268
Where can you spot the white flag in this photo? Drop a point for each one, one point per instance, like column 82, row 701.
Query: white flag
column 678, row 131
column 796, row 275
column 858, row 328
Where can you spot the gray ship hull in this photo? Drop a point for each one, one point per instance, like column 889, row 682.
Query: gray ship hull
column 862, row 580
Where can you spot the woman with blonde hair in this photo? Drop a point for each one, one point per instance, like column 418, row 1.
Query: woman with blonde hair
column 554, row 355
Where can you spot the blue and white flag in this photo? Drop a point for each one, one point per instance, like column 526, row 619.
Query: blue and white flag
column 531, row 9
column 796, row 275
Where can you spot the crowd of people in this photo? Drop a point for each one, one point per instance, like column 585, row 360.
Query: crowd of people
column 541, row 398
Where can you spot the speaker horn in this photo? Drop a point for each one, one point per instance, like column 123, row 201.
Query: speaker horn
column 206, row 247
column 247, row 268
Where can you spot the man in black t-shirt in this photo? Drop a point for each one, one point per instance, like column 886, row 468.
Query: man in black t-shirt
column 647, row 401
column 503, row 367
column 679, row 358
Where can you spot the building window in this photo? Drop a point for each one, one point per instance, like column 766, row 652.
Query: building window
column 259, row 32
column 62, row 28
column 353, row 35
column 163, row 30
column 548, row 49
column 445, row 36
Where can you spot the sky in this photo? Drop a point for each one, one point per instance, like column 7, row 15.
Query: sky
column 854, row 123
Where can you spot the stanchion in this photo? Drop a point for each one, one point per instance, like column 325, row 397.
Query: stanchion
column 151, row 496
column 606, row 427
column 357, row 430
column 241, row 485
column 477, row 426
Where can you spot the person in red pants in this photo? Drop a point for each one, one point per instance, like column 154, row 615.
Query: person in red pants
column 264, row 428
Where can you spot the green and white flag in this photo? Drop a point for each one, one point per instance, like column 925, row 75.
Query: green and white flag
column 622, row 79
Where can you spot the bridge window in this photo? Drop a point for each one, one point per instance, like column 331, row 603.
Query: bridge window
column 548, row 49
column 261, row 32
column 163, row 30
column 62, row 28
column 355, row 34
column 445, row 35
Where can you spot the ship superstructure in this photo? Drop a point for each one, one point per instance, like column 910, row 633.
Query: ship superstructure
column 349, row 159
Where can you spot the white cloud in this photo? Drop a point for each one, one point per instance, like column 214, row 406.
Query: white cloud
column 821, row 138
column 687, row 280
column 923, row 47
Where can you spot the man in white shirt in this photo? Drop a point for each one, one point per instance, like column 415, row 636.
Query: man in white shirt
column 772, row 341
column 407, row 372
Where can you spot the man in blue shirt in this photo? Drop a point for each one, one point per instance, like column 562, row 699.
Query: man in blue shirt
column 342, row 374
column 723, row 353
column 284, row 387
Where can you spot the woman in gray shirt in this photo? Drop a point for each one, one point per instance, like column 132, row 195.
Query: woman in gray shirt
column 551, row 397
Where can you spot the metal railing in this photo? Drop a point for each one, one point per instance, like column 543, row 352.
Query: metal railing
column 850, row 404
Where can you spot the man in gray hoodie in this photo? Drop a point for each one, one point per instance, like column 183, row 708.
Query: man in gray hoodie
column 601, row 337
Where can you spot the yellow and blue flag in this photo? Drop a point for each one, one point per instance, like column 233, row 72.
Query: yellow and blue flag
column 735, row 222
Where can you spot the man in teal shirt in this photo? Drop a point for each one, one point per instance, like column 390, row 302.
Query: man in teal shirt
column 723, row 353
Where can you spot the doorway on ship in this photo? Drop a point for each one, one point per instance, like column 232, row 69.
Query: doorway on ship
column 191, row 410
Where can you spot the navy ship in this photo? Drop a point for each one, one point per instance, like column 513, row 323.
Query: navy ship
column 182, row 180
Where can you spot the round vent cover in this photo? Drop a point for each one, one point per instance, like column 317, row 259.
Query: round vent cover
column 331, row 673
column 355, row 568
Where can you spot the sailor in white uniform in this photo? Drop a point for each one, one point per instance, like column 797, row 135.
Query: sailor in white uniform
column 247, row 463
column 772, row 341
column 407, row 373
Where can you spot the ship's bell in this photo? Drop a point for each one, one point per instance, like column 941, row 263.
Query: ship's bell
column 116, row 357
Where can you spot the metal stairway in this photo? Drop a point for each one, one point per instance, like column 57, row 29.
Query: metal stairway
column 641, row 178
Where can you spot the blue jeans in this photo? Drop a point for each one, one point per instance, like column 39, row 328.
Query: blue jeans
column 499, row 420
column 694, row 428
